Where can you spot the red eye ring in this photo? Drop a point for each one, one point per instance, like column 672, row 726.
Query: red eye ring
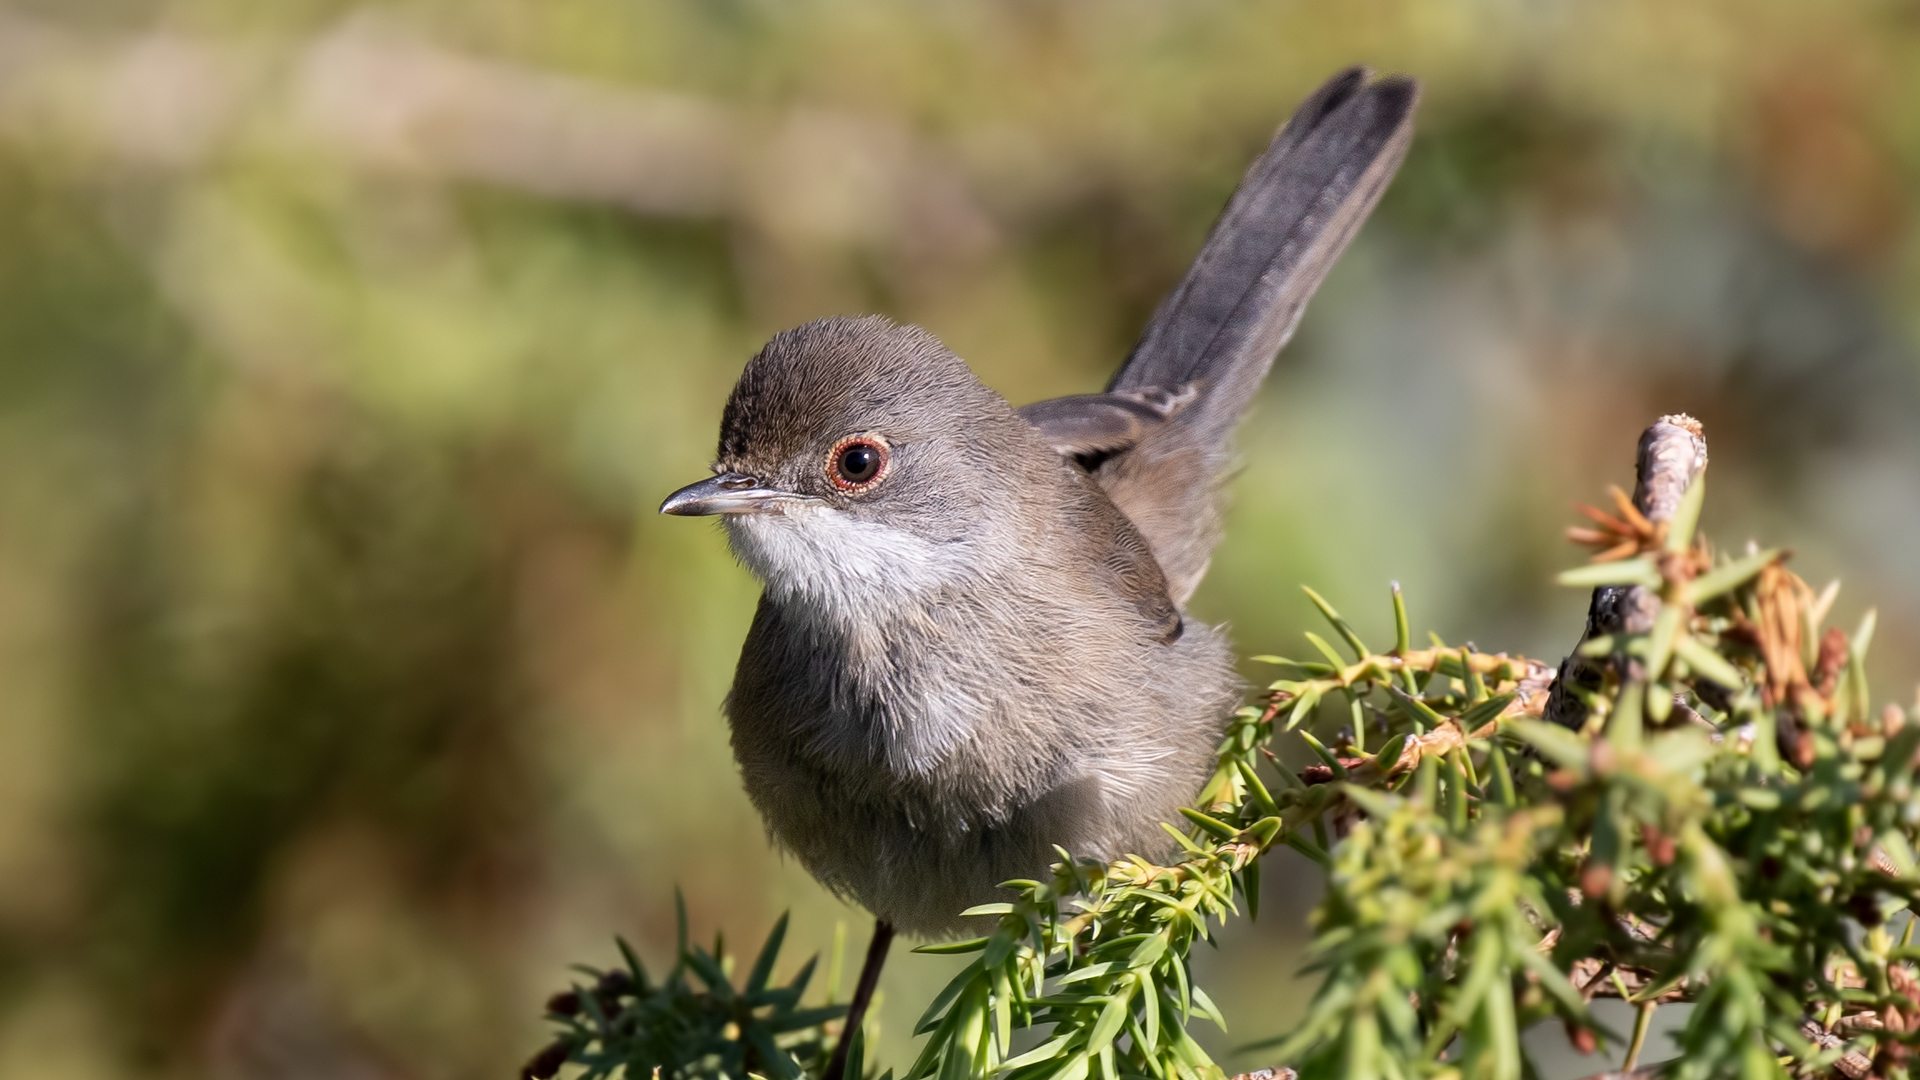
column 858, row 462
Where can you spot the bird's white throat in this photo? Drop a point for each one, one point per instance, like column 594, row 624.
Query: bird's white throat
column 843, row 566
column 866, row 587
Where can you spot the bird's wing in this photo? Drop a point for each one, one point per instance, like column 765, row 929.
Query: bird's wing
column 1091, row 427
column 1213, row 339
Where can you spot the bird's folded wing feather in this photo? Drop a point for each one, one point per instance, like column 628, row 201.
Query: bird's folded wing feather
column 1092, row 426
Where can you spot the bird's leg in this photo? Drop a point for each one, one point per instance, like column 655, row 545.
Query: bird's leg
column 862, row 996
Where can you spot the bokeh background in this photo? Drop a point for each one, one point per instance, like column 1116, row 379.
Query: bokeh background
column 349, row 686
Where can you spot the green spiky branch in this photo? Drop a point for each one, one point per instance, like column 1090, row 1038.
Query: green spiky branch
column 693, row 1024
column 1718, row 818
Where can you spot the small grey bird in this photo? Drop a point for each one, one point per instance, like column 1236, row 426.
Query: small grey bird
column 972, row 645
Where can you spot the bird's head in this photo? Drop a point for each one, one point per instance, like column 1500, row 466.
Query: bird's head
column 858, row 456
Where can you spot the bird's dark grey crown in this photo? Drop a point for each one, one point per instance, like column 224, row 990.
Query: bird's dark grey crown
column 866, row 372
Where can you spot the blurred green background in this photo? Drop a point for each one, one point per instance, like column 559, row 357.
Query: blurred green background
column 351, row 686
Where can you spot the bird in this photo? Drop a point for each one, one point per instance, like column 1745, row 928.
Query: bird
column 972, row 647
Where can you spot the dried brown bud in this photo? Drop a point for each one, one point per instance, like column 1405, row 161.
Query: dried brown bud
column 1833, row 656
column 545, row 1063
column 1595, row 879
column 1801, row 749
column 608, row 990
column 1314, row 775
column 1323, row 774
column 1581, row 1039
column 1901, row 978
column 1660, row 846
column 564, row 1003
column 1865, row 909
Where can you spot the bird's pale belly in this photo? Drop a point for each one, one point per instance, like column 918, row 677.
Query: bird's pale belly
column 907, row 856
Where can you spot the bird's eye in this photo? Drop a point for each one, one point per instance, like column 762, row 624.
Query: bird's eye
column 857, row 462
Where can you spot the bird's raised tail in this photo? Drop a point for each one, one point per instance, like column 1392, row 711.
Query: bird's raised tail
column 1158, row 439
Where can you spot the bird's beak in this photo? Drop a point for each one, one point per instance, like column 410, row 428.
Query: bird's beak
column 729, row 493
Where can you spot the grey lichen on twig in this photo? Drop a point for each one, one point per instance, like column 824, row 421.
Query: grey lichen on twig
column 1671, row 456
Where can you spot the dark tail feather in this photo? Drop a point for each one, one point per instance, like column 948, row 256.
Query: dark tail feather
column 1292, row 215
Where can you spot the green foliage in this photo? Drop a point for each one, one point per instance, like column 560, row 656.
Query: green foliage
column 1731, row 826
column 692, row 1025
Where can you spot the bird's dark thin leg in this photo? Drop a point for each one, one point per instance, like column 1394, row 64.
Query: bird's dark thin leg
column 862, row 995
